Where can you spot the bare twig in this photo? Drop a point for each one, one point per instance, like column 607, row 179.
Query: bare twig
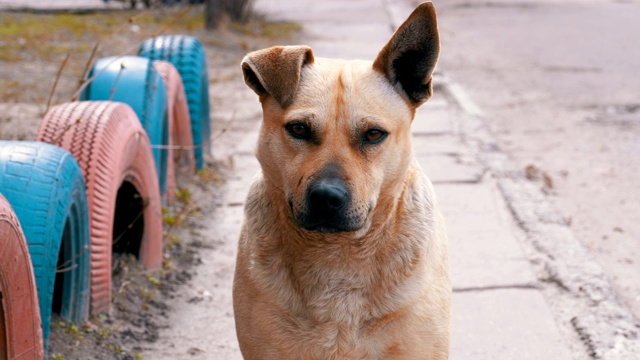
column 72, row 267
column 84, row 249
column 55, row 82
column 115, row 83
column 120, row 290
column 56, row 141
column 122, row 286
column 226, row 127
column 87, row 67
column 130, row 226
column 95, row 75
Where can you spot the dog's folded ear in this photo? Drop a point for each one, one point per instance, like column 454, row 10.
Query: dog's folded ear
column 276, row 71
column 409, row 58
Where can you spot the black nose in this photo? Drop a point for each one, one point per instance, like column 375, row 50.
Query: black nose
column 327, row 196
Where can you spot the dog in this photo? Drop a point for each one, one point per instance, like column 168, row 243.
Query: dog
column 343, row 252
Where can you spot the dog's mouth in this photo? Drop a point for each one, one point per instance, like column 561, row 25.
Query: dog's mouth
column 326, row 204
column 327, row 227
column 323, row 220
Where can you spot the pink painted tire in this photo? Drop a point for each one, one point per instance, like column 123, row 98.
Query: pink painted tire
column 180, row 136
column 20, row 328
column 124, row 198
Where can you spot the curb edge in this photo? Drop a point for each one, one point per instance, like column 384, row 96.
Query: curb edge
column 583, row 297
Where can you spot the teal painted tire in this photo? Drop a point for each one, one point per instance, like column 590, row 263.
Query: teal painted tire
column 45, row 186
column 134, row 81
column 187, row 54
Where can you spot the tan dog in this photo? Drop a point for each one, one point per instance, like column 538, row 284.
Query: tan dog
column 343, row 252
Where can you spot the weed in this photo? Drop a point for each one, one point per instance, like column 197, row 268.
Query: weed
column 208, row 175
column 173, row 241
column 166, row 264
column 69, row 327
column 183, row 195
column 73, row 329
column 153, row 280
column 170, row 219
column 146, row 294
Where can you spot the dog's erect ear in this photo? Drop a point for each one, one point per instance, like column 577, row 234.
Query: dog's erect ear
column 410, row 56
column 276, row 71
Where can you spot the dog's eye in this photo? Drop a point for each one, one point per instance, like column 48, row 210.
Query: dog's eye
column 374, row 136
column 298, row 130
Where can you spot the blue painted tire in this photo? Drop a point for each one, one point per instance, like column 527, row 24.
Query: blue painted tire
column 134, row 81
column 45, row 186
column 187, row 55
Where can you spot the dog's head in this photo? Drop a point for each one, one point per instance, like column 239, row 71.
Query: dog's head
column 336, row 134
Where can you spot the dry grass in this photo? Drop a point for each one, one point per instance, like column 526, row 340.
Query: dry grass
column 280, row 30
column 32, row 46
column 26, row 36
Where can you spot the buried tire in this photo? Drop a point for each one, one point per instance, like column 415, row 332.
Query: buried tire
column 180, row 138
column 114, row 153
column 134, row 81
column 46, row 188
column 187, row 55
column 20, row 327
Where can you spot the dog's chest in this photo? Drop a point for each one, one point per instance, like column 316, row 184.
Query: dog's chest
column 345, row 314
column 335, row 325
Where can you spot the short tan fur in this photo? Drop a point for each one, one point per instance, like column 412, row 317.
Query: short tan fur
column 365, row 274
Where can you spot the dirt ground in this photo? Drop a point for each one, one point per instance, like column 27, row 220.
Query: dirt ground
column 32, row 48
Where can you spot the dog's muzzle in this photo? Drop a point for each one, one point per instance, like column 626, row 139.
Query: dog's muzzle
column 327, row 207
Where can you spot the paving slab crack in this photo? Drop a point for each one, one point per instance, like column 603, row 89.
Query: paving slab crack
column 583, row 300
column 495, row 287
column 458, row 182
